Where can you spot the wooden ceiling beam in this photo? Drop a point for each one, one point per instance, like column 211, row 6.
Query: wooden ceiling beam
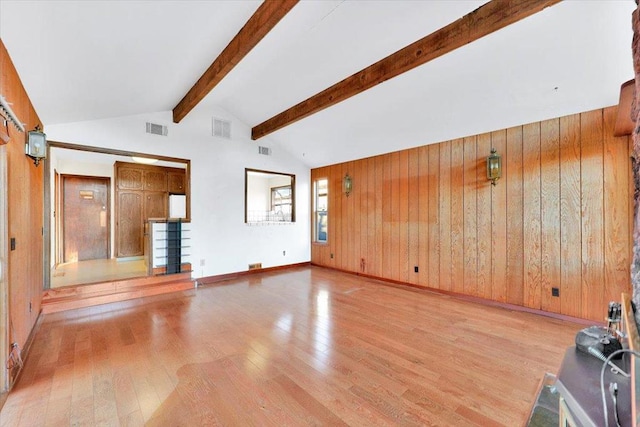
column 488, row 18
column 261, row 22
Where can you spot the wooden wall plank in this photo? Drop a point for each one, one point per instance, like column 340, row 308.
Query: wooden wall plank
column 457, row 215
column 617, row 258
column 387, row 218
column 347, row 223
column 335, row 216
column 402, row 220
column 413, row 201
column 483, row 187
column 358, row 194
column 432, row 207
column 424, row 194
column 445, row 216
column 591, row 179
column 394, row 254
column 379, row 216
column 372, row 191
column 550, row 212
column 499, row 225
column 570, row 217
column 470, row 240
column 515, row 212
column 432, row 186
column 532, row 223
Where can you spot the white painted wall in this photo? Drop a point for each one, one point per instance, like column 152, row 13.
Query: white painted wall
column 220, row 236
column 258, row 193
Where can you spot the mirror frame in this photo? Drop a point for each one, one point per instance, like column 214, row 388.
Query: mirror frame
column 293, row 192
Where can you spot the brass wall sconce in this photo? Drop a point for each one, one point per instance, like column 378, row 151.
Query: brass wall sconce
column 347, row 184
column 36, row 145
column 494, row 167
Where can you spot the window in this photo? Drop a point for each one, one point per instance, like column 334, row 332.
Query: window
column 320, row 199
column 281, row 200
column 269, row 197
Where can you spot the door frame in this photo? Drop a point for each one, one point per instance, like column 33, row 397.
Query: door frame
column 57, row 214
column 4, row 267
column 59, row 194
column 48, row 178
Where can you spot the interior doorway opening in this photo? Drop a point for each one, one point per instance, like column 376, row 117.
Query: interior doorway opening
column 81, row 213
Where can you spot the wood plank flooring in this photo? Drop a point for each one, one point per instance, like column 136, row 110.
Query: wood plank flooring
column 96, row 270
column 306, row 346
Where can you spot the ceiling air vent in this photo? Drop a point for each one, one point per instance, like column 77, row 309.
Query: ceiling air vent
column 222, row 128
column 264, row 150
column 157, row 129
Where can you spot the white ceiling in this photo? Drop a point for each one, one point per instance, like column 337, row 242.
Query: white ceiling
column 98, row 59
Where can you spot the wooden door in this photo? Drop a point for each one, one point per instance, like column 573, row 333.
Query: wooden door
column 129, row 177
column 155, row 204
column 85, row 223
column 130, row 224
column 155, row 180
column 176, row 182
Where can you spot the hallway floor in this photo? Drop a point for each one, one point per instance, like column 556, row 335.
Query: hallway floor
column 96, row 270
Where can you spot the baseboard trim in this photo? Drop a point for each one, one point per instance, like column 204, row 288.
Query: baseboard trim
column 210, row 280
column 464, row 297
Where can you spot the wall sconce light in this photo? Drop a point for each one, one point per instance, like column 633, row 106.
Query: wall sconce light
column 347, row 184
column 36, row 145
column 494, row 167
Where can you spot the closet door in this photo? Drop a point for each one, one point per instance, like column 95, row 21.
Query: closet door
column 130, row 224
column 129, row 177
column 176, row 182
column 155, row 180
column 155, row 204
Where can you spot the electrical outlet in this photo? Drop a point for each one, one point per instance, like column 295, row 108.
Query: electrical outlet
column 415, row 269
column 202, row 263
column 555, row 292
column 331, row 256
column 284, row 253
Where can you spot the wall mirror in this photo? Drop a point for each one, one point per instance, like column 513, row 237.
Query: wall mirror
column 269, row 197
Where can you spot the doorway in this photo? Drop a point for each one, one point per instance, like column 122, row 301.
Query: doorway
column 65, row 159
column 85, row 218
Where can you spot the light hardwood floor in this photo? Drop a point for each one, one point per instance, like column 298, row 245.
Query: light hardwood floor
column 96, row 270
column 306, row 346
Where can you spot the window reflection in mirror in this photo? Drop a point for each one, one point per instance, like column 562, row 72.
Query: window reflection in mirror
column 269, row 197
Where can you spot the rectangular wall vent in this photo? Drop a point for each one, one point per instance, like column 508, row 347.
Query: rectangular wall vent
column 221, row 128
column 264, row 150
column 255, row 266
column 156, row 129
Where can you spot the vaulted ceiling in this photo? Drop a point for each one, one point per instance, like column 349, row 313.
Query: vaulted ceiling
column 99, row 59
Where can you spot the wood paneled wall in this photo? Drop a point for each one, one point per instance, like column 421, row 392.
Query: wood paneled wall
column 560, row 216
column 25, row 210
